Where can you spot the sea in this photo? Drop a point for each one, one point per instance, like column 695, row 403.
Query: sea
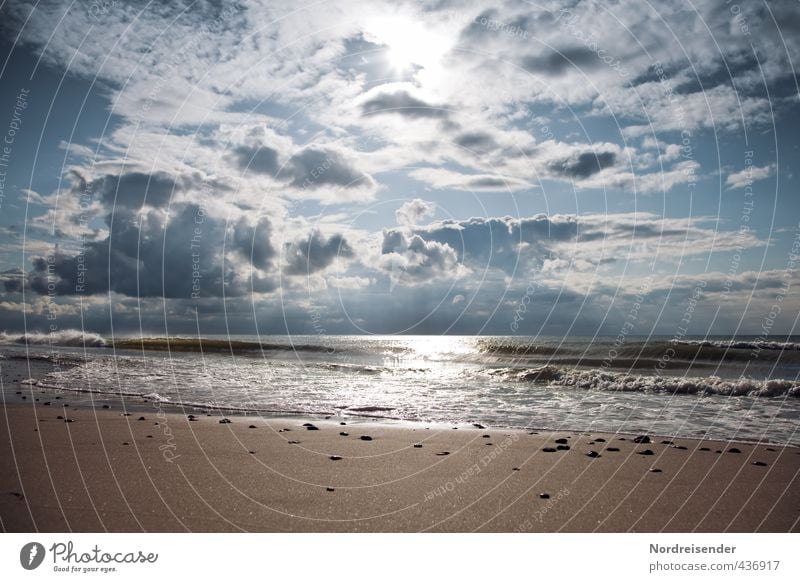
column 743, row 388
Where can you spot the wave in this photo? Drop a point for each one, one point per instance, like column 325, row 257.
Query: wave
column 65, row 338
column 742, row 345
column 184, row 344
column 554, row 376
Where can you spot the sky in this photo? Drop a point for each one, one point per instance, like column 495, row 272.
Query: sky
column 419, row 167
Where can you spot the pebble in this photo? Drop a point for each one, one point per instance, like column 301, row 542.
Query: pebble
column 252, row 426
column 549, row 450
column 515, row 468
column 311, row 427
column 599, row 440
column 703, row 449
column 69, row 420
column 593, row 454
column 344, row 433
column 642, row 439
column 488, row 444
column 124, row 444
column 759, row 463
column 335, row 458
column 224, row 421
column 418, row 446
column 478, row 425
column 667, row 443
column 443, row 454
column 343, row 423
column 561, row 441
column 734, row 450
column 655, row 470
column 544, row 496
column 149, row 436
column 646, row 452
column 330, row 489
column 678, row 447
column 487, row 436
column 142, row 418
column 125, row 414
column 59, row 418
column 307, row 424
column 365, row 437
column 45, row 404
column 770, row 449
column 252, row 452
column 563, row 447
column 294, row 442
column 106, row 406
column 612, row 449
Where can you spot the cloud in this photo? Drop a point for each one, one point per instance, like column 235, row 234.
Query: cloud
column 442, row 179
column 315, row 253
column 749, row 175
column 414, row 261
column 413, row 211
column 400, row 102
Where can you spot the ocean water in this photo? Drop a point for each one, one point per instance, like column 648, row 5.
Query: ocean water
column 742, row 388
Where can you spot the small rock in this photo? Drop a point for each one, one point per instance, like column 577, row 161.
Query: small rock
column 330, row 489
column 667, row 443
column 759, row 463
column 25, row 398
column 142, row 418
column 252, row 426
column 335, row 458
column 125, row 414
column 612, row 449
column 678, row 447
column 443, row 454
column 149, row 436
column 307, row 424
column 646, row 452
column 593, row 454
column 294, row 442
column 487, row 436
column 59, row 418
column 312, row 427
column 106, row 406
column 124, row 444
column 544, row 496
column 515, row 468
column 488, row 444
column 733, row 450
column 642, row 439
column 562, row 447
column 718, row 451
column 770, row 449
column 655, row 470
column 549, row 450
column 365, row 437
column 703, row 449
column 478, row 425
column 69, row 420
column 45, row 404
column 252, row 452
column 343, row 423
column 561, row 441
column 417, row 446
column 224, row 421
column 344, row 433
column 599, row 440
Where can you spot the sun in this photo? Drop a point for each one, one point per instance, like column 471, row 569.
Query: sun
column 409, row 42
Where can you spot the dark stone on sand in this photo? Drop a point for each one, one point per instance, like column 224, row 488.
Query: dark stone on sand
column 759, row 463
column 487, row 436
column 252, row 452
column 622, row 439
column 488, row 444
column 679, row 447
column 194, row 419
column 58, row 397
column 642, row 439
column 343, row 423
column 655, row 470
column 66, row 405
column 667, row 443
column 770, row 449
column 455, row 428
column 45, row 404
column 59, row 418
column 612, row 449
column 718, row 451
column 515, row 468
column 149, row 436
column 252, row 426
column 335, row 458
column 561, row 441
column 443, row 454
column 544, row 496
column 344, row 433
column 224, row 421
column 311, row 427
column 142, row 418
column 24, row 397
column 294, row 442
column 733, row 450
column 125, row 444
column 365, row 437
column 549, row 450
column 533, row 433
column 703, row 449
column 68, row 420
column 106, row 406
column 646, row 452
column 478, row 425
column 126, row 414
column 593, row 454
column 19, row 392
column 307, row 424
column 562, row 447
column 330, row 489
column 599, row 440
column 418, row 446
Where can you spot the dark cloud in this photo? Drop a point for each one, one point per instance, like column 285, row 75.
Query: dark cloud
column 137, row 189
column 556, row 63
column 476, row 140
column 315, row 253
column 260, row 159
column 402, row 103
column 315, row 167
column 585, row 164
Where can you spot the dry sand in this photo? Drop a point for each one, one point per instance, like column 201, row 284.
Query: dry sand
column 108, row 472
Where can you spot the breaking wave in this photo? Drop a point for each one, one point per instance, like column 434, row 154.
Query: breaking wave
column 65, row 338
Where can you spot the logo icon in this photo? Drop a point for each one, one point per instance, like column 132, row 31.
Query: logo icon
column 31, row 555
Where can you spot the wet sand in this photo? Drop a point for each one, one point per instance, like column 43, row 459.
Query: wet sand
column 96, row 469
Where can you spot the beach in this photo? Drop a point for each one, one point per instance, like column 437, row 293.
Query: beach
column 131, row 465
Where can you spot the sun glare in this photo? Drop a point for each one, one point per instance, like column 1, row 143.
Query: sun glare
column 409, row 43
